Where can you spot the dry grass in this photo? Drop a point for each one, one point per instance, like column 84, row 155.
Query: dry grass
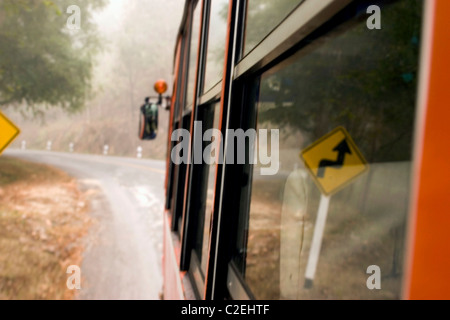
column 42, row 221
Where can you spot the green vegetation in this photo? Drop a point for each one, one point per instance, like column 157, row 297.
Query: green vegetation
column 362, row 80
column 42, row 62
column 138, row 40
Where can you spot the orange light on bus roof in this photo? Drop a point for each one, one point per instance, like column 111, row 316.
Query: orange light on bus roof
column 161, row 86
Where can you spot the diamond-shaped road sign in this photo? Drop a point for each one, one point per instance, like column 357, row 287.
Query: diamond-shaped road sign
column 8, row 132
column 334, row 161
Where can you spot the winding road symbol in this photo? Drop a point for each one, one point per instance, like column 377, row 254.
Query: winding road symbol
column 334, row 161
column 342, row 148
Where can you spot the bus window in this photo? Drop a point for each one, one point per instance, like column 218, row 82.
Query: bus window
column 365, row 81
column 216, row 43
column 262, row 17
column 193, row 55
column 177, row 204
column 202, row 198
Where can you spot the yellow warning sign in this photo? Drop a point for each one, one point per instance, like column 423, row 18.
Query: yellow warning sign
column 8, row 132
column 334, row 161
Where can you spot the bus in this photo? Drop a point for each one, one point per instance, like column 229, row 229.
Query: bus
column 307, row 151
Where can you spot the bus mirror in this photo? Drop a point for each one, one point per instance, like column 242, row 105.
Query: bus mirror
column 148, row 121
column 148, row 116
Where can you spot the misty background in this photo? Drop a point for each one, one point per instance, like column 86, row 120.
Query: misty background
column 136, row 40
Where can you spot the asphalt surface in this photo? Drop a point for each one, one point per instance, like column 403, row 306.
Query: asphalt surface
column 122, row 258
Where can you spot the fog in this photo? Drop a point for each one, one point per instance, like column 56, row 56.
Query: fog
column 137, row 40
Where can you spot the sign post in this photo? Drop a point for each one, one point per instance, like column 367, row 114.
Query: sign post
column 333, row 161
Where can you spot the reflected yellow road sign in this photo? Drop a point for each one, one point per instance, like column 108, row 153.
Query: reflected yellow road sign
column 334, row 161
column 8, row 132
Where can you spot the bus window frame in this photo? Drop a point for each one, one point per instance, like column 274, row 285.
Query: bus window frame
column 212, row 94
column 180, row 171
column 178, row 102
column 217, row 270
column 302, row 21
column 189, row 259
column 188, row 225
column 195, row 4
column 173, row 124
column 181, row 111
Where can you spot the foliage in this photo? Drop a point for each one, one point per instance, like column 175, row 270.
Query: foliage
column 263, row 16
column 364, row 80
column 42, row 62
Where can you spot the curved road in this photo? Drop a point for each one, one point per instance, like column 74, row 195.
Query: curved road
column 122, row 258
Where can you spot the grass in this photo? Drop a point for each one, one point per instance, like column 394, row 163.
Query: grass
column 42, row 222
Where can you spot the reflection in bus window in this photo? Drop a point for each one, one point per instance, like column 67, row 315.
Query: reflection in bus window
column 193, row 52
column 364, row 81
column 210, row 117
column 216, row 43
column 262, row 17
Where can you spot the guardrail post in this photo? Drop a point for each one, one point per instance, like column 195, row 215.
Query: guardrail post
column 105, row 150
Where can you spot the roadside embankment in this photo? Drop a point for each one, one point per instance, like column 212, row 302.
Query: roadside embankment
column 43, row 218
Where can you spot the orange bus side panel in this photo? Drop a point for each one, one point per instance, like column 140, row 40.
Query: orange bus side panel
column 173, row 289
column 429, row 274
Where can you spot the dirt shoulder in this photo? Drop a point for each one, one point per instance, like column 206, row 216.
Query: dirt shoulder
column 43, row 218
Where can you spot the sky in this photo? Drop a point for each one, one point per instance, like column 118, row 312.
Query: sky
column 109, row 18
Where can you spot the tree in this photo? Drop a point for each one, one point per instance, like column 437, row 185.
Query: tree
column 43, row 63
column 361, row 79
column 144, row 50
column 263, row 16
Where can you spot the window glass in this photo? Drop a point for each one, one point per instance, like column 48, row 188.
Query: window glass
column 364, row 81
column 210, row 116
column 216, row 43
column 262, row 17
column 179, row 182
column 193, row 53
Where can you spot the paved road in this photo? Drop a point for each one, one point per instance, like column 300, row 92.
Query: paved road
column 122, row 259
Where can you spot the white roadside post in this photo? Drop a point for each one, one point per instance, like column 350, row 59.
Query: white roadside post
column 139, row 152
column 105, row 150
column 49, row 145
column 71, row 146
column 316, row 244
column 24, row 145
